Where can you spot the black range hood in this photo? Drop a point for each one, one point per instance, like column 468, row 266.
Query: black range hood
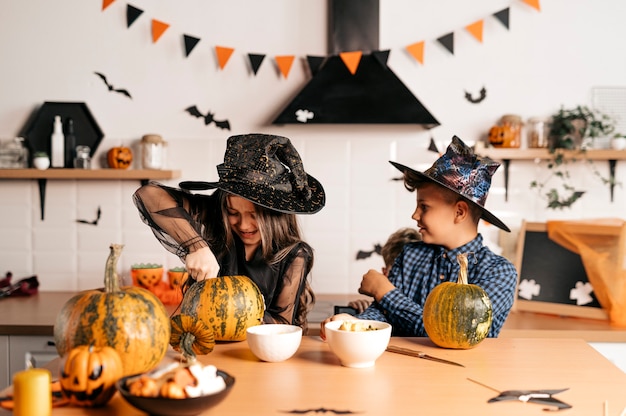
column 373, row 95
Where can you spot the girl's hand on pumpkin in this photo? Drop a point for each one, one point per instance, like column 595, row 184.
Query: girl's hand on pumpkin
column 375, row 284
column 202, row 264
column 338, row 317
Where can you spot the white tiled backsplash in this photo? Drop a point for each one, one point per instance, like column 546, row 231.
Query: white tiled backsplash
column 364, row 205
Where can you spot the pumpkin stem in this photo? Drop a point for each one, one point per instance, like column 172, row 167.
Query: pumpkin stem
column 111, row 279
column 462, row 259
column 186, row 346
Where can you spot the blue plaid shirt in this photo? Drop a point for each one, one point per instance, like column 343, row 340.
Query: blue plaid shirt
column 420, row 267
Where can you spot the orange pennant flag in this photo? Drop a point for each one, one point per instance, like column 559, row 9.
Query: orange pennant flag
column 106, row 3
column 158, row 28
column 284, row 64
column 476, row 29
column 533, row 3
column 223, row 55
column 351, row 60
column 417, row 51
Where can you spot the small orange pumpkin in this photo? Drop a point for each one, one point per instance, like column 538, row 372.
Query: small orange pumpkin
column 88, row 375
column 119, row 157
column 501, row 136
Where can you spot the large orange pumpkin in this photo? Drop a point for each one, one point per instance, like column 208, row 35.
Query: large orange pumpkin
column 457, row 315
column 88, row 375
column 227, row 304
column 132, row 320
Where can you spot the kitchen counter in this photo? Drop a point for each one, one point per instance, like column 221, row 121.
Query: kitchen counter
column 35, row 315
column 313, row 381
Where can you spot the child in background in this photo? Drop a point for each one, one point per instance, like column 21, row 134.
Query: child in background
column 451, row 197
column 392, row 249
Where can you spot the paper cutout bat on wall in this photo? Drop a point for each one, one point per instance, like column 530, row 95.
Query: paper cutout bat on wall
column 365, row 254
column 94, row 222
column 111, row 88
column 208, row 118
column 471, row 99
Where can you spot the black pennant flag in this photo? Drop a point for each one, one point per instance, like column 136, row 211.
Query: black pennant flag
column 190, row 43
column 448, row 42
column 432, row 146
column 132, row 13
column 255, row 61
column 381, row 56
column 503, row 17
column 315, row 63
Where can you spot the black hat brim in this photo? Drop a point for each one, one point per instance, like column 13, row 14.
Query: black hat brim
column 285, row 202
column 486, row 215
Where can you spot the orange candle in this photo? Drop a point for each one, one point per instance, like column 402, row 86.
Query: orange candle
column 31, row 392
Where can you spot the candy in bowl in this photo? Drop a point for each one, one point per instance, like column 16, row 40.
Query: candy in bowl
column 357, row 343
column 274, row 342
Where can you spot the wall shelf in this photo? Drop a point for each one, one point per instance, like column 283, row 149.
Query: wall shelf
column 506, row 155
column 142, row 175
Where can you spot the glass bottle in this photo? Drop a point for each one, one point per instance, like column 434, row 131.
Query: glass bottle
column 82, row 159
column 537, row 132
column 152, row 151
column 70, row 144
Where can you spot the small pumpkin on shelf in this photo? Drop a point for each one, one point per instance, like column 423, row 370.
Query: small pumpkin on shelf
column 227, row 304
column 457, row 315
column 131, row 320
column 88, row 375
column 119, row 157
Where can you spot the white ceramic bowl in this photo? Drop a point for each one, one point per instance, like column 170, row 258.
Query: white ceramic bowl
column 274, row 342
column 358, row 349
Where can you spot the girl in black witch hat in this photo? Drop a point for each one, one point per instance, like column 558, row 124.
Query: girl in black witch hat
column 247, row 226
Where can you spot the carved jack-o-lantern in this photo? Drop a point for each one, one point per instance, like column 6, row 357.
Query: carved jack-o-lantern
column 501, row 136
column 88, row 375
column 147, row 277
column 119, row 157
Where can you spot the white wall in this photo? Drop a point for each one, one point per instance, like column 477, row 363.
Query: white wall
column 49, row 51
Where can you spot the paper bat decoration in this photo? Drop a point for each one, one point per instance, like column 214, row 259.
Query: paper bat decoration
column 110, row 87
column 365, row 254
column 321, row 410
column 529, row 396
column 94, row 222
column 471, row 99
column 208, row 118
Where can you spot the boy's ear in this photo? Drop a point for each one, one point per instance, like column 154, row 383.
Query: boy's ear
column 462, row 210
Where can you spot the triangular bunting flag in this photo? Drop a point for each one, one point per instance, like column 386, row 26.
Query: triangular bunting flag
column 132, row 13
column 381, row 56
column 432, row 146
column 315, row 63
column 417, row 51
column 158, row 28
column 533, row 4
column 255, row 61
column 284, row 64
column 223, row 55
column 106, row 3
column 503, row 17
column 447, row 41
column 190, row 43
column 476, row 29
column 351, row 60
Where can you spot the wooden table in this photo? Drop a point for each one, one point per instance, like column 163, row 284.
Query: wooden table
column 314, row 382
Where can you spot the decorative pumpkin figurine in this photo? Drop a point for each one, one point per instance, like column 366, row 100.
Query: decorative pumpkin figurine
column 146, row 275
column 88, row 375
column 227, row 304
column 501, row 136
column 131, row 320
column 457, row 315
column 191, row 336
column 119, row 157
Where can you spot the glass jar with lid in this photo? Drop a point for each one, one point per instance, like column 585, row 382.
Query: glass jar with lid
column 537, row 132
column 514, row 124
column 153, row 151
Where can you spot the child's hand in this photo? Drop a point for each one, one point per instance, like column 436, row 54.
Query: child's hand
column 202, row 264
column 375, row 284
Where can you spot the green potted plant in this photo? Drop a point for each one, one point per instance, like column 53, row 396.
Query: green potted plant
column 41, row 160
column 573, row 130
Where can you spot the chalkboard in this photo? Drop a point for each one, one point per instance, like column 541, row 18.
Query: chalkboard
column 547, row 274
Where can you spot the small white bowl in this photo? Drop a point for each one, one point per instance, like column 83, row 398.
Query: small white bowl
column 274, row 342
column 358, row 349
column 41, row 163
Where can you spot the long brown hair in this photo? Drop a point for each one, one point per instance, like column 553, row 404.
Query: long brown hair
column 280, row 234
